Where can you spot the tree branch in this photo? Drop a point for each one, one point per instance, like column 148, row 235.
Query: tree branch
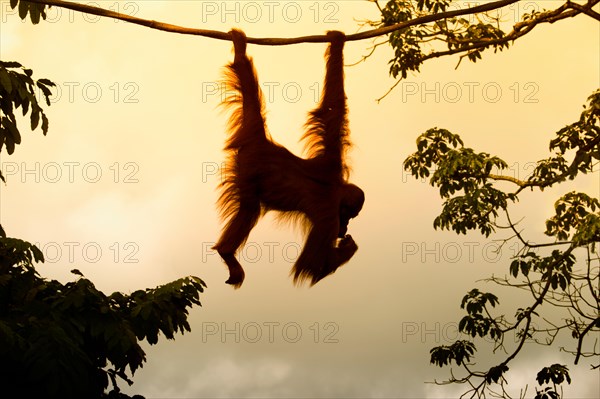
column 511, row 179
column 570, row 170
column 581, row 336
column 270, row 41
column 587, row 10
column 524, row 27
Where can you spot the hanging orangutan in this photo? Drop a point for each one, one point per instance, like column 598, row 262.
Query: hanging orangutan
column 261, row 175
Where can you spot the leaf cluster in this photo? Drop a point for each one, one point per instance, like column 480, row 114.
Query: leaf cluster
column 464, row 178
column 458, row 170
column 36, row 11
column 583, row 137
column 578, row 212
column 477, row 322
column 459, row 352
column 71, row 340
column 557, row 374
column 19, row 90
column 410, row 44
column 557, row 268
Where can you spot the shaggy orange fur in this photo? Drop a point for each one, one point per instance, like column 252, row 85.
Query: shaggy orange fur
column 261, row 175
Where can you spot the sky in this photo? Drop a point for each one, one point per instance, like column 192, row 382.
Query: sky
column 124, row 187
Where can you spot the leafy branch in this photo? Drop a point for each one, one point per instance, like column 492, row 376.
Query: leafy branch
column 447, row 34
column 19, row 90
column 466, row 182
column 69, row 340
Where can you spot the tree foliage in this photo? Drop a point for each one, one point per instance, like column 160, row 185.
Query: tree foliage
column 19, row 90
column 459, row 33
column 71, row 340
column 427, row 29
column 35, row 11
column 563, row 274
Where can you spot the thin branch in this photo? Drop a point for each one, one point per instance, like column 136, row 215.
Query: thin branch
column 530, row 311
column 365, row 57
column 572, row 168
column 587, row 9
column 581, row 336
column 389, row 91
column 512, row 226
column 377, row 4
column 511, row 179
column 519, row 29
column 270, row 41
column 589, row 280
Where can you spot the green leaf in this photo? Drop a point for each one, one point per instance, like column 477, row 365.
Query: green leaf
column 136, row 311
column 557, row 373
column 459, row 352
column 495, row 373
column 35, row 118
column 146, row 310
column 514, row 268
column 36, row 11
column 23, row 8
column 16, row 136
column 5, row 80
column 38, row 256
column 34, row 14
column 45, row 82
column 44, row 124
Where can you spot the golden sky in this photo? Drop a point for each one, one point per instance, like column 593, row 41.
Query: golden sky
column 124, row 186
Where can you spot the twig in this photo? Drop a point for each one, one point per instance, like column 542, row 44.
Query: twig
column 587, row 10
